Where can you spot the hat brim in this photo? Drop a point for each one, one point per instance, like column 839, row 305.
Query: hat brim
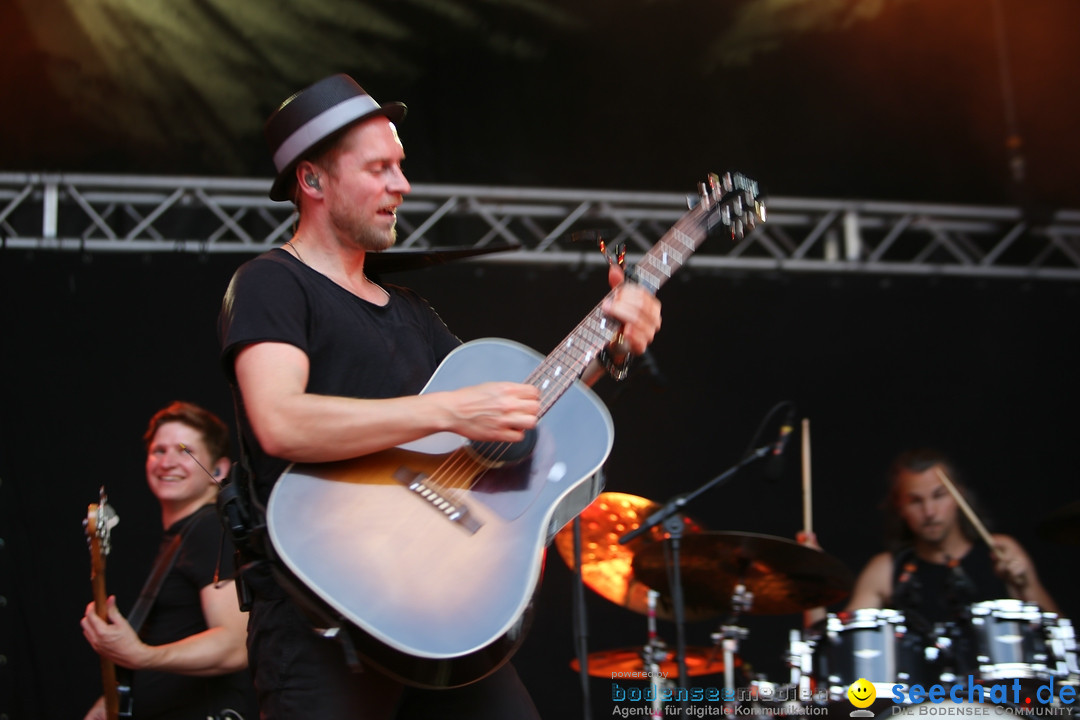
column 281, row 189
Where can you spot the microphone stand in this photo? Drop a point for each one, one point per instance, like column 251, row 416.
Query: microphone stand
column 675, row 525
column 581, row 634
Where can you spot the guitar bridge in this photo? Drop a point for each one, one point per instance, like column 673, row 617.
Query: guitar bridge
column 453, row 512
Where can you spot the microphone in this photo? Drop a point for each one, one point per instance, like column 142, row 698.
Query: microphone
column 774, row 464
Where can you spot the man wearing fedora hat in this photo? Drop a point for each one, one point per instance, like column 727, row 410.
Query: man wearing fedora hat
column 327, row 365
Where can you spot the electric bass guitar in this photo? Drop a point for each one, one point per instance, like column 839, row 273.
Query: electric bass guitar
column 99, row 522
column 428, row 555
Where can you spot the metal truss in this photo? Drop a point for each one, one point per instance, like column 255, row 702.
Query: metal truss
column 147, row 214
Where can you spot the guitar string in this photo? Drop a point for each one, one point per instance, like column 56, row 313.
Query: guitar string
column 460, row 466
column 453, row 476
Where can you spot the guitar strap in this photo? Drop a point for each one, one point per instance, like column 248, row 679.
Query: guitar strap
column 238, row 503
column 242, row 514
column 162, row 565
column 245, row 516
column 165, row 560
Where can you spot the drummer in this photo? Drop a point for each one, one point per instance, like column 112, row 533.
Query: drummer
column 937, row 564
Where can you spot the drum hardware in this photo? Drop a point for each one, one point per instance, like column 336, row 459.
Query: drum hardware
column 745, row 573
column 766, row 698
column 1062, row 643
column 800, row 662
column 655, row 662
column 667, row 562
column 730, row 635
column 653, row 656
column 942, row 654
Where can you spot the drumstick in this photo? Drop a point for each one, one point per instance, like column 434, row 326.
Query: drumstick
column 979, row 527
column 808, row 521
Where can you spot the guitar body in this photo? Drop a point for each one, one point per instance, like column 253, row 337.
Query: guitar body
column 434, row 601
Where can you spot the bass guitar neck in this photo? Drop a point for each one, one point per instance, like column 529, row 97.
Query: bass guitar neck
column 100, row 520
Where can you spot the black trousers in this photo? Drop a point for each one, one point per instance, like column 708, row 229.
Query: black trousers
column 299, row 674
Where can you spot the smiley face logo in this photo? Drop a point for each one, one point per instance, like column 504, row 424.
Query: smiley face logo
column 861, row 693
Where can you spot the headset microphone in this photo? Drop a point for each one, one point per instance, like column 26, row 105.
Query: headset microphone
column 213, row 476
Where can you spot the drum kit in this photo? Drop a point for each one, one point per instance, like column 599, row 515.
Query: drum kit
column 730, row 575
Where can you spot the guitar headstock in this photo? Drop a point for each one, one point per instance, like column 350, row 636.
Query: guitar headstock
column 99, row 522
column 736, row 201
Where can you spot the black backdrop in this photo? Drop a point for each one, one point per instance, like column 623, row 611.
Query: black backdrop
column 985, row 370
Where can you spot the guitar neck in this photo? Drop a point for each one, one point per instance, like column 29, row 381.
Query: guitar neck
column 101, row 608
column 568, row 361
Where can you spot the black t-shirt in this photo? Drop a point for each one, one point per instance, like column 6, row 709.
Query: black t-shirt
column 939, row 593
column 355, row 348
column 176, row 614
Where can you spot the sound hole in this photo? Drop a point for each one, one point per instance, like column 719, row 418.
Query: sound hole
column 499, row 454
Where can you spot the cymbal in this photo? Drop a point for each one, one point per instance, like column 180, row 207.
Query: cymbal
column 1063, row 525
column 607, row 566
column 699, row 661
column 784, row 576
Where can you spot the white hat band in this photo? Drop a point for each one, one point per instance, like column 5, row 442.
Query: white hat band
column 321, row 126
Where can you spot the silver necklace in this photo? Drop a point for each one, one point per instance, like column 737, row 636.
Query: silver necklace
column 363, row 275
column 296, row 250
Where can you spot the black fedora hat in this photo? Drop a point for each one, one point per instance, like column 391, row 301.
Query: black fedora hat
column 314, row 114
